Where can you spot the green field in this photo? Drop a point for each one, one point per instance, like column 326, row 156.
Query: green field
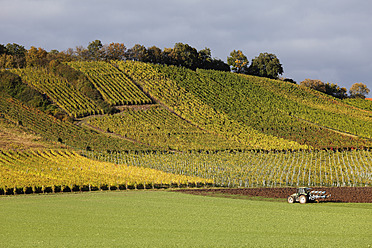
column 169, row 219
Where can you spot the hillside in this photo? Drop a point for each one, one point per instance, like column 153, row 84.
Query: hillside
column 188, row 110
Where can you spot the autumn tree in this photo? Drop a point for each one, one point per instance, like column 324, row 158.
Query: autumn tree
column 266, row 65
column 359, row 90
column 36, row 57
column 64, row 56
column 314, row 84
column 327, row 88
column 81, row 53
column 238, row 62
column 114, row 51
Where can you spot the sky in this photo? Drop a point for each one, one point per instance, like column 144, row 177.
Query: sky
column 327, row 40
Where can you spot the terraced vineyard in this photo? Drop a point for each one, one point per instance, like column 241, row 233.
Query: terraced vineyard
column 359, row 103
column 51, row 171
column 115, row 87
column 55, row 130
column 160, row 128
column 285, row 110
column 260, row 169
column 252, row 105
column 60, row 91
column 155, row 81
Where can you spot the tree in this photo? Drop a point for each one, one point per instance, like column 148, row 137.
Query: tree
column 218, row 64
column 314, row 84
column 3, row 49
column 184, row 55
column 359, row 90
column 154, row 55
column 80, row 53
column 138, row 53
column 205, row 58
column 238, row 62
column 327, row 88
column 60, row 56
column 334, row 90
column 114, row 51
column 36, row 57
column 266, row 65
column 18, row 54
column 94, row 48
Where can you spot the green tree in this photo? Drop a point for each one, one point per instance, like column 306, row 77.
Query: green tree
column 359, row 90
column 154, row 54
column 138, row 53
column 266, row 65
column 238, row 62
column 205, row 58
column 94, row 50
column 184, row 55
column 3, row 49
column 18, row 54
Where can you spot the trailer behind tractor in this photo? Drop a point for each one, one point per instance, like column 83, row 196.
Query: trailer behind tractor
column 304, row 195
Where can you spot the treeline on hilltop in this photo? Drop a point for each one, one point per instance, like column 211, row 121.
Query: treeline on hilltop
column 16, row 56
column 265, row 65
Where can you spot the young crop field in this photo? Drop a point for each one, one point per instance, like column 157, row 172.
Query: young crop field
column 56, row 171
column 115, row 87
column 60, row 91
column 260, row 169
column 169, row 219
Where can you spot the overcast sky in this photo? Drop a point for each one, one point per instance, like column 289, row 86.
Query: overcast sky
column 328, row 40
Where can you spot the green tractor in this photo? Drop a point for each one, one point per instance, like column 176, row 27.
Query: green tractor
column 304, row 195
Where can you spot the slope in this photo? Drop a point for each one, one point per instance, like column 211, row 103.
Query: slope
column 259, row 112
column 156, row 81
column 54, row 130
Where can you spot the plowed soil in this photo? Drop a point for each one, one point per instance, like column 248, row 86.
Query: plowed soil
column 338, row 194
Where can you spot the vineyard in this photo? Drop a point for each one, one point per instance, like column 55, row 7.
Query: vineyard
column 54, row 130
column 259, row 169
column 189, row 107
column 56, row 171
column 115, row 87
column 60, row 91
column 359, row 103
column 160, row 128
column 259, row 112
column 181, row 128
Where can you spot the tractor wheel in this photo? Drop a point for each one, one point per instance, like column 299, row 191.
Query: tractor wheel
column 303, row 199
column 290, row 199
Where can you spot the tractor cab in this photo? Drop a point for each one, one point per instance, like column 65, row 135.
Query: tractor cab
column 303, row 191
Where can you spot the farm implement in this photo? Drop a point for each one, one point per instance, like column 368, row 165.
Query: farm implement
column 304, row 195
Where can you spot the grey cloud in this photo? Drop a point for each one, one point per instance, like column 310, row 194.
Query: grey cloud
column 327, row 40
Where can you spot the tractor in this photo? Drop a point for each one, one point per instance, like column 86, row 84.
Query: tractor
column 304, row 195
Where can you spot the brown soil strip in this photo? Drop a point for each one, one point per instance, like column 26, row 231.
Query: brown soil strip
column 338, row 194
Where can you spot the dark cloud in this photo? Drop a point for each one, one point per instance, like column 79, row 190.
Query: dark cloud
column 327, row 40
